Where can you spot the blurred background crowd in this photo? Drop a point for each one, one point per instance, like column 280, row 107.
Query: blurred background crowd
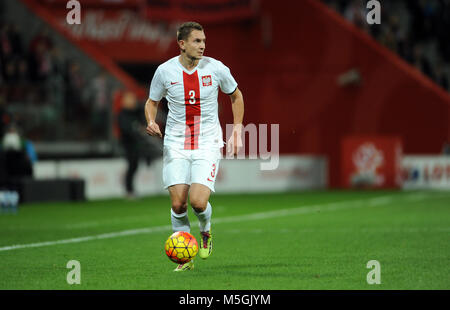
column 44, row 89
column 416, row 30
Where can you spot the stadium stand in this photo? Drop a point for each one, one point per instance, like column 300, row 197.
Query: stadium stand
column 415, row 30
column 48, row 83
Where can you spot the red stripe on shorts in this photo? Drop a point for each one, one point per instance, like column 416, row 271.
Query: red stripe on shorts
column 193, row 110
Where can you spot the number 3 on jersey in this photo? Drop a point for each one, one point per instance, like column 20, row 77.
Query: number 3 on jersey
column 192, row 97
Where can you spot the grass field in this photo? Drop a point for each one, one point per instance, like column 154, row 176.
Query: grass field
column 294, row 241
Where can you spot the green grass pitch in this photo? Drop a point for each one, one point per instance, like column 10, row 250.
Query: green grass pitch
column 319, row 240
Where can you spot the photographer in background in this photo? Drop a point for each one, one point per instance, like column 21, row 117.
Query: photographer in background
column 129, row 120
column 134, row 140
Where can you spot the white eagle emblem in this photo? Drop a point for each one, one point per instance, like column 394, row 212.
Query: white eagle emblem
column 206, row 80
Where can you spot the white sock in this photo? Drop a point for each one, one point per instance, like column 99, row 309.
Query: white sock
column 180, row 222
column 204, row 218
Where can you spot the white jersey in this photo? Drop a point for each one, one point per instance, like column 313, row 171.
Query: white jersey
column 193, row 119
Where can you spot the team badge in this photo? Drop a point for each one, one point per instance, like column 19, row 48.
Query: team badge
column 206, row 80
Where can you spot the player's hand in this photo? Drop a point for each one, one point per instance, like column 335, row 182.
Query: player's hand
column 153, row 129
column 234, row 143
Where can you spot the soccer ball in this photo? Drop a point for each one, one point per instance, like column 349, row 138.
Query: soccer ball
column 181, row 247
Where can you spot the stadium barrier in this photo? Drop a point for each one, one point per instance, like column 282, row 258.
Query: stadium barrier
column 426, row 172
column 104, row 177
column 57, row 189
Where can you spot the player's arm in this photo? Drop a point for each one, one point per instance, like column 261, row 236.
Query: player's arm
column 151, row 109
column 237, row 106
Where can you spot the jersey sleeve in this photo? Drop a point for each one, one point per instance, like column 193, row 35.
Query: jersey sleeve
column 157, row 88
column 227, row 82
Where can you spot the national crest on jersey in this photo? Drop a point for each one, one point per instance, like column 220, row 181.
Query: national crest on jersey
column 193, row 121
column 206, row 80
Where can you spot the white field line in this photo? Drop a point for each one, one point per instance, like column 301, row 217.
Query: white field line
column 343, row 205
column 406, row 230
column 88, row 238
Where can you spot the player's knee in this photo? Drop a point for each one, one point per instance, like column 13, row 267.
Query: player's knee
column 179, row 206
column 199, row 205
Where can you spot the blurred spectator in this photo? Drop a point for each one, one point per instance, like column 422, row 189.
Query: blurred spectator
column 22, row 71
column 356, row 13
column 5, row 117
column 40, row 60
column 424, row 18
column 388, row 39
column 100, row 104
column 393, row 36
column 39, row 55
column 16, row 156
column 15, row 38
column 41, row 39
column 1, row 72
column 56, row 86
column 442, row 29
column 10, row 71
column 131, row 125
column 6, row 48
column 421, row 62
column 73, row 92
column 442, row 76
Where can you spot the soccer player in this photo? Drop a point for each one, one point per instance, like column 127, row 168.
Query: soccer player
column 193, row 137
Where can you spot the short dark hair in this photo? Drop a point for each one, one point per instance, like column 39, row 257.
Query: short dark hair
column 185, row 30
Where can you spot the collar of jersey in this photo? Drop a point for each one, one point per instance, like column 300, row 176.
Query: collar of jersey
column 186, row 70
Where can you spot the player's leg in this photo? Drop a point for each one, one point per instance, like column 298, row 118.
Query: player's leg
column 203, row 176
column 176, row 178
column 199, row 195
column 178, row 213
column 179, row 216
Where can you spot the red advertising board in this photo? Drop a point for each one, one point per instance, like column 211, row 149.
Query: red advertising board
column 371, row 162
column 123, row 35
column 140, row 30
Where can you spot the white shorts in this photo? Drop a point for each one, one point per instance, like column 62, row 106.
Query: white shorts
column 190, row 166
